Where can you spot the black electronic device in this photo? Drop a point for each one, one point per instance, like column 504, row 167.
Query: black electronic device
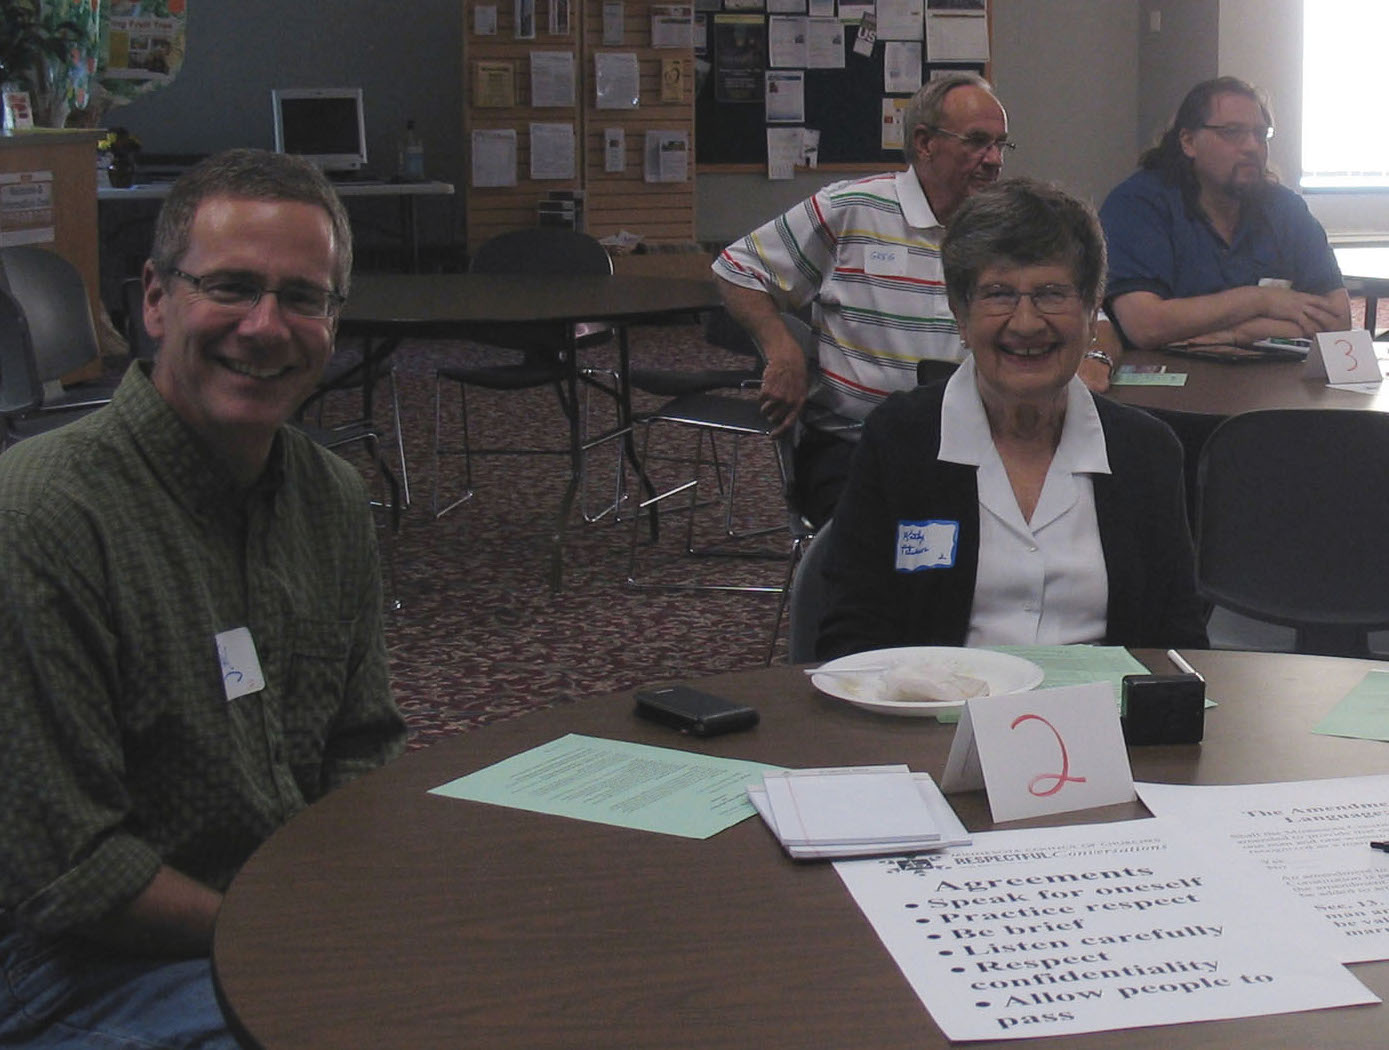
column 1164, row 708
column 692, row 711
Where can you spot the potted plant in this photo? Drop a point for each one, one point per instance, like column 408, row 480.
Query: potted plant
column 28, row 44
column 121, row 147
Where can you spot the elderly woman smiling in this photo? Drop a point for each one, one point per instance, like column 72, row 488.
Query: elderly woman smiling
column 1009, row 505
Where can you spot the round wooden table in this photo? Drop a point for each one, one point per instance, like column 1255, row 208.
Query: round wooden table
column 388, row 917
column 1220, row 389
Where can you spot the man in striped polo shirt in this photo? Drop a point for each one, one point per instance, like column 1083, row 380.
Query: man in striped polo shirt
column 866, row 252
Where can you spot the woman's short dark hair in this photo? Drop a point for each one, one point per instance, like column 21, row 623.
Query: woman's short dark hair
column 249, row 174
column 1166, row 155
column 1023, row 222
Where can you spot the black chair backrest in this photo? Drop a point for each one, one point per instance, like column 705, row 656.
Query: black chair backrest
column 20, row 391
column 142, row 344
column 1292, row 515
column 54, row 298
column 808, row 599
column 928, row 371
column 542, row 250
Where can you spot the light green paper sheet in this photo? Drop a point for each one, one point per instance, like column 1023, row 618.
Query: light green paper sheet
column 1122, row 378
column 1071, row 665
column 1363, row 712
column 614, row 782
column 1079, row 664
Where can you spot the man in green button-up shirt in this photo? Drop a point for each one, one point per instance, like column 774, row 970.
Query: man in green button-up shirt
column 190, row 610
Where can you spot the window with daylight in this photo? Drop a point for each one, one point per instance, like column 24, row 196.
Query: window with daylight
column 1343, row 80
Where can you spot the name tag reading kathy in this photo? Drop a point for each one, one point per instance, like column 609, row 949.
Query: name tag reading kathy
column 926, row 544
column 885, row 262
column 241, row 673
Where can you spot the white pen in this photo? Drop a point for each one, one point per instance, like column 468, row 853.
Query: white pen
column 1182, row 665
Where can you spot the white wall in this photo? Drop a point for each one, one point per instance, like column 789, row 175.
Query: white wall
column 1067, row 72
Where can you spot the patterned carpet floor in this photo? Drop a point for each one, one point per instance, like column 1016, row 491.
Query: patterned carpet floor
column 480, row 637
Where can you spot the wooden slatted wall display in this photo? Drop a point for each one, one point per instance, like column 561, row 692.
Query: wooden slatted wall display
column 662, row 212
column 497, row 67
column 495, row 209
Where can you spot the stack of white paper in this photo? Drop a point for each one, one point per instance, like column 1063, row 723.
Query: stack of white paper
column 856, row 811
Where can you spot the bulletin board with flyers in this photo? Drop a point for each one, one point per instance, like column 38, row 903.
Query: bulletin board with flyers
column 845, row 105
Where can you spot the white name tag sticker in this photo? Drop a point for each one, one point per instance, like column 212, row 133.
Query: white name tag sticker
column 241, row 673
column 926, row 544
column 1343, row 357
column 885, row 262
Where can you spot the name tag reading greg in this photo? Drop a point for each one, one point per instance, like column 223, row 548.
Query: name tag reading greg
column 885, row 262
column 926, row 544
column 241, row 673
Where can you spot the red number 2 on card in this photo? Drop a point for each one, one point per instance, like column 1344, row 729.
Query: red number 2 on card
column 1056, row 780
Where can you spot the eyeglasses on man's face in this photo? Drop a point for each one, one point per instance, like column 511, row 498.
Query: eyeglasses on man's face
column 978, row 141
column 1234, row 134
column 242, row 291
column 999, row 300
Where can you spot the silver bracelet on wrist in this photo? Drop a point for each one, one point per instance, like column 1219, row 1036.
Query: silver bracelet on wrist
column 1096, row 354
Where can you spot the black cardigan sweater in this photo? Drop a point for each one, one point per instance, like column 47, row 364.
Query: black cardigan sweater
column 1140, row 506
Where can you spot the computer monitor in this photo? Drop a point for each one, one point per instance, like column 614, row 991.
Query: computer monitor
column 323, row 125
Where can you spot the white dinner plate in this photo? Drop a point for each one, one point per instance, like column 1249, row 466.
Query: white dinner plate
column 1003, row 672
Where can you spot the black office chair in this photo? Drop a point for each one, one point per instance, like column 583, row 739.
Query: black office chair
column 719, row 330
column 361, row 432
column 928, row 370
column 545, row 349
column 712, row 414
column 807, row 598
column 21, row 394
column 142, row 344
column 1292, row 517
column 19, row 386
column 53, row 296
column 350, row 370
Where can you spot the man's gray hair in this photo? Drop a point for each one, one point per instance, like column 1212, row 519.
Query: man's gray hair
column 1023, row 222
column 927, row 106
column 249, row 174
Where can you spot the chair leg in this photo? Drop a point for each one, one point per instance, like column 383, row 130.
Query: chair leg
column 437, row 451
column 700, row 435
column 392, row 532
column 797, row 549
column 399, row 442
column 615, row 506
column 691, row 487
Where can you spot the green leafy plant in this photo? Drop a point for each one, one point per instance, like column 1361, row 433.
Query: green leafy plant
column 28, row 44
column 119, row 143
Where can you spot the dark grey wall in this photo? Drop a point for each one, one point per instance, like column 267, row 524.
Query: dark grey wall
column 407, row 58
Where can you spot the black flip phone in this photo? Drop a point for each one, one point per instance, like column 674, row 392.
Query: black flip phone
column 692, row 711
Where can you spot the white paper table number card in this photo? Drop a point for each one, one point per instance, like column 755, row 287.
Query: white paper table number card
column 1343, row 357
column 1045, row 751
